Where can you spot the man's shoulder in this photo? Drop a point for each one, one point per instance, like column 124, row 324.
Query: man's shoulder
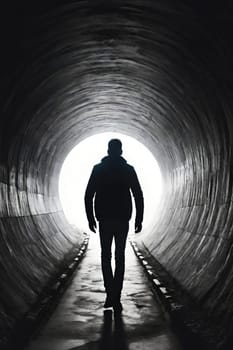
column 129, row 168
column 97, row 166
column 125, row 164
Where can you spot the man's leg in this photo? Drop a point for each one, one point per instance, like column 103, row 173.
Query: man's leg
column 120, row 236
column 106, row 237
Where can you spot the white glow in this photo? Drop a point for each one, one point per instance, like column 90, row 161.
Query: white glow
column 78, row 165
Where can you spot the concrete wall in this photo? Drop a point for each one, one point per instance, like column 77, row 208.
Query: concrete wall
column 35, row 237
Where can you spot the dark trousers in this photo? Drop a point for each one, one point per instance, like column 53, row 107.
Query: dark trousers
column 108, row 229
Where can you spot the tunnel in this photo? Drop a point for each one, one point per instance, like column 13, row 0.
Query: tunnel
column 158, row 71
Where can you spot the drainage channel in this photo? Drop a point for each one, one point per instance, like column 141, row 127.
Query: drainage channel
column 191, row 327
column 44, row 306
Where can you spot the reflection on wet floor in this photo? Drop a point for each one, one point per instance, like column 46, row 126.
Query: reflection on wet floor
column 80, row 322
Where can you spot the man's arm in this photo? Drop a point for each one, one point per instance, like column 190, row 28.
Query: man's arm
column 89, row 196
column 139, row 201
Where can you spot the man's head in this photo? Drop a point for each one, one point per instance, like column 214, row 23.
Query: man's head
column 115, row 148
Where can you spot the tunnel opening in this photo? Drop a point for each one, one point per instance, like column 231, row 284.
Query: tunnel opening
column 77, row 167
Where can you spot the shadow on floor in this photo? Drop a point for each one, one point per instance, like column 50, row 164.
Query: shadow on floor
column 112, row 336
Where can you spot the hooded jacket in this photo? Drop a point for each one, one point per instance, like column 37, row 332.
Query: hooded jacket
column 110, row 185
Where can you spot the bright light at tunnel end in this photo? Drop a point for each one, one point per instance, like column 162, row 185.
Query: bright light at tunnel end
column 77, row 168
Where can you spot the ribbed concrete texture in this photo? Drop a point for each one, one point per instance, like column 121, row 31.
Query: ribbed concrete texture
column 80, row 322
column 160, row 71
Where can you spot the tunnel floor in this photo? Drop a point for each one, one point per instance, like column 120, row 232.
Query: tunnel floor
column 80, row 322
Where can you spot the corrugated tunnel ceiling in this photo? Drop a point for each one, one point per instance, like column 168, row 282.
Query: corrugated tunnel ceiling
column 159, row 71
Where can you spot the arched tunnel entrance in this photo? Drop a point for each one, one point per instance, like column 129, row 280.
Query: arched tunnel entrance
column 159, row 71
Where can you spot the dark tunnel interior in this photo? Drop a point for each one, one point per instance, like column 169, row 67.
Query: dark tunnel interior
column 159, row 71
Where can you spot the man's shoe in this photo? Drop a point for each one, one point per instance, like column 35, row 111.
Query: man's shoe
column 117, row 307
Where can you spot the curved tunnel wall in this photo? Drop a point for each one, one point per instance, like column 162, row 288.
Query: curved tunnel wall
column 157, row 71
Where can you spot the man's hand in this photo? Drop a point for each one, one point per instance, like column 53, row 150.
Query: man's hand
column 138, row 227
column 92, row 226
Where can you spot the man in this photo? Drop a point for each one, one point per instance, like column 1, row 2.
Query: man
column 110, row 185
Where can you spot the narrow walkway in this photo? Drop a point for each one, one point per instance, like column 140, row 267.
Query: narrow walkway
column 79, row 322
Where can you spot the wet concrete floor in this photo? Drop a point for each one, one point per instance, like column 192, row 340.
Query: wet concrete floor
column 80, row 323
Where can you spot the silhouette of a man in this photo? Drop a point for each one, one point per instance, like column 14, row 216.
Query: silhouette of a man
column 110, row 185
